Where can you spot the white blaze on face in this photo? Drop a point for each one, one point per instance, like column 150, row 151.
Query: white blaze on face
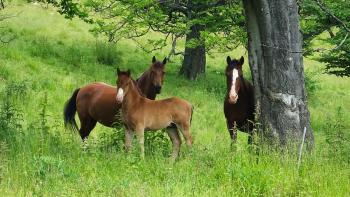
column 120, row 94
column 233, row 93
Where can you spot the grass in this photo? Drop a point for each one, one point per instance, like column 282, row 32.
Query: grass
column 51, row 57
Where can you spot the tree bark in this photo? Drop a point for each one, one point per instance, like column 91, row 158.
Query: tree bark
column 2, row 4
column 276, row 62
column 194, row 58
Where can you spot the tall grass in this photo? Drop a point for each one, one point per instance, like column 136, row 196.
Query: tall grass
column 38, row 157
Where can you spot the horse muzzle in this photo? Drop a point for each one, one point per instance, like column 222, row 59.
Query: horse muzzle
column 158, row 89
column 233, row 99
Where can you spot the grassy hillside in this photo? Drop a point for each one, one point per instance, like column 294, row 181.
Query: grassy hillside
column 51, row 56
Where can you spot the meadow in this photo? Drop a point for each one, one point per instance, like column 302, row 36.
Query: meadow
column 51, row 56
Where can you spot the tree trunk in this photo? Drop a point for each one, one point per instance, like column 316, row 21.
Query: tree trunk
column 276, row 62
column 194, row 59
column 2, row 5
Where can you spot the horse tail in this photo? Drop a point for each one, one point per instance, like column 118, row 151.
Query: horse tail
column 69, row 111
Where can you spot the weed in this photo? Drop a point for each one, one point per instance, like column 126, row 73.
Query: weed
column 10, row 116
column 337, row 137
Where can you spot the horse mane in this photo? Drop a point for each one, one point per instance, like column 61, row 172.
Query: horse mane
column 137, row 87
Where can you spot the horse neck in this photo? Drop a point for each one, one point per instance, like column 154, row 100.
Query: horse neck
column 132, row 97
column 146, row 86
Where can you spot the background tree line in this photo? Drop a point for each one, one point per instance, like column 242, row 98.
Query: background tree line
column 208, row 25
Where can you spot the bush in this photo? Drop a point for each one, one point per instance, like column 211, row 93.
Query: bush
column 107, row 53
column 338, row 137
column 10, row 116
column 111, row 140
column 43, row 47
column 311, row 82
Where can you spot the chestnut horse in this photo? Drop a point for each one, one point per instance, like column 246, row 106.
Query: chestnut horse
column 96, row 102
column 239, row 101
column 141, row 114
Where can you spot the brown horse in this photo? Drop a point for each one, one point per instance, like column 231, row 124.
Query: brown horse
column 239, row 100
column 151, row 81
column 140, row 114
column 96, row 102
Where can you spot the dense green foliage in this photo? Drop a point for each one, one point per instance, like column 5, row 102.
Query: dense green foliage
column 38, row 157
column 332, row 17
column 221, row 22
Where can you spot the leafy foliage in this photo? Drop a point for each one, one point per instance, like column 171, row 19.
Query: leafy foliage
column 5, row 35
column 332, row 17
column 221, row 22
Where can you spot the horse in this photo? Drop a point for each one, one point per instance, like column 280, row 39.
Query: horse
column 96, row 102
column 239, row 100
column 140, row 114
column 151, row 81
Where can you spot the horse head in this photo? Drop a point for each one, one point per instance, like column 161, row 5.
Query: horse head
column 234, row 78
column 157, row 74
column 123, row 81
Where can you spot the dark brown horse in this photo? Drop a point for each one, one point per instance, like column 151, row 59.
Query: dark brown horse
column 140, row 114
column 96, row 102
column 239, row 100
column 151, row 81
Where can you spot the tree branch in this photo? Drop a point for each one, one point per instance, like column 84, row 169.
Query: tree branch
column 326, row 10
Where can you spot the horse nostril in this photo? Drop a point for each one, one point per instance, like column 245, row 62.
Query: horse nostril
column 158, row 89
column 233, row 98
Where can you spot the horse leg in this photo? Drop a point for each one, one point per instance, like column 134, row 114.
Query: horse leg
column 232, row 130
column 87, row 124
column 175, row 139
column 185, row 129
column 141, row 138
column 128, row 139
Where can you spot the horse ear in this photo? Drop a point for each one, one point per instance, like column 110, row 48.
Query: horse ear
column 241, row 61
column 154, row 59
column 228, row 60
column 118, row 71
column 128, row 72
column 164, row 61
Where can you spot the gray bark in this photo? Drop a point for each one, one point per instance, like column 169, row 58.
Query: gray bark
column 276, row 62
column 2, row 5
column 194, row 58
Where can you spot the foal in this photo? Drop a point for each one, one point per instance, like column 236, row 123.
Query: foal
column 140, row 114
column 239, row 100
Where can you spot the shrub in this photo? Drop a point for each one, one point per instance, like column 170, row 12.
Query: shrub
column 107, row 53
column 338, row 137
column 311, row 82
column 10, row 116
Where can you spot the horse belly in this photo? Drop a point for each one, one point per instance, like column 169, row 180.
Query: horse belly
column 235, row 113
column 157, row 124
column 104, row 109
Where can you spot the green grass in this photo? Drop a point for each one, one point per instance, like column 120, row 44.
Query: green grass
column 52, row 56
